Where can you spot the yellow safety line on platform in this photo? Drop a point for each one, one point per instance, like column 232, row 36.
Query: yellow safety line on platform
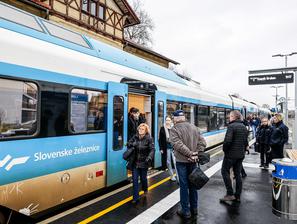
column 99, row 214
column 113, row 207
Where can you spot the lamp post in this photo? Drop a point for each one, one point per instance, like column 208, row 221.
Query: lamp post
column 286, row 64
column 276, row 87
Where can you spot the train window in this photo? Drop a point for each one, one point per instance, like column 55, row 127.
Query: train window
column 88, row 110
column 18, row 108
column 213, row 119
column 118, row 122
column 160, row 115
column 203, row 118
column 221, row 118
column 189, row 111
column 17, row 16
column 65, row 34
column 171, row 107
column 227, row 117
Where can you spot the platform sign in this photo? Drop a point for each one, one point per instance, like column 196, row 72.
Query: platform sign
column 271, row 79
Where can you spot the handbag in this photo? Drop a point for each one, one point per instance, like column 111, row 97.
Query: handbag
column 203, row 158
column 129, row 156
column 198, row 178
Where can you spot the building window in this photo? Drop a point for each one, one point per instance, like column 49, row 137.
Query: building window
column 118, row 122
column 88, row 111
column 94, row 8
column 18, row 108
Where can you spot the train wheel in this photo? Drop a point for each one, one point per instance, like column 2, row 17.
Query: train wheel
column 2, row 218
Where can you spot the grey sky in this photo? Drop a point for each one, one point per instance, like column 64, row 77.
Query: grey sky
column 219, row 41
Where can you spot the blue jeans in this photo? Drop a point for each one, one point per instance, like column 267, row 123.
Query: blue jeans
column 136, row 173
column 188, row 193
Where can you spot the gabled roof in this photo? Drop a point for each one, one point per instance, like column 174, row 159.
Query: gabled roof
column 128, row 11
column 145, row 49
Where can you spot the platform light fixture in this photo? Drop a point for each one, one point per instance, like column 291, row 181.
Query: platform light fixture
column 286, row 65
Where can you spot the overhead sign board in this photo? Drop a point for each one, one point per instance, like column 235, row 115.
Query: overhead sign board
column 271, row 79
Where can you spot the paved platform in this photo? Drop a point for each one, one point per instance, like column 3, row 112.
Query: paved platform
column 161, row 203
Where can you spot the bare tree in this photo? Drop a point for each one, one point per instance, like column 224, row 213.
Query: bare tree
column 141, row 33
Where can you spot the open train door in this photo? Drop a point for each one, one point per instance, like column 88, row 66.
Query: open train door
column 159, row 118
column 116, row 132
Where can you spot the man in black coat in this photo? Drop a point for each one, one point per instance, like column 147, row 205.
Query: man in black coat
column 234, row 147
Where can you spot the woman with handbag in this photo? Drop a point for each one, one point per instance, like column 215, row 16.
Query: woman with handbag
column 143, row 149
column 166, row 147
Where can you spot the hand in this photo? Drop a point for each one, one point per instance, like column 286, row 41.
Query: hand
column 161, row 151
column 194, row 159
column 247, row 151
column 148, row 160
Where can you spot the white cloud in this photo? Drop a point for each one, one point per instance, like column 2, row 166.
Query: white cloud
column 219, row 41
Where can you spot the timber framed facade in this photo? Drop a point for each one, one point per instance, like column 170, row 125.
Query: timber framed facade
column 102, row 19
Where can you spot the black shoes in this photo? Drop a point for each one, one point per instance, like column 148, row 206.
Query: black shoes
column 194, row 212
column 181, row 214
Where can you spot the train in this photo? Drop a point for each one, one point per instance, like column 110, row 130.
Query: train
column 64, row 102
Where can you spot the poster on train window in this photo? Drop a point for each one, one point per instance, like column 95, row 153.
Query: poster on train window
column 79, row 112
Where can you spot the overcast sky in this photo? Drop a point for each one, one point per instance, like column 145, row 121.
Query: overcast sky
column 218, row 41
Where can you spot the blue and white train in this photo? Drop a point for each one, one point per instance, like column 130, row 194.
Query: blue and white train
column 64, row 101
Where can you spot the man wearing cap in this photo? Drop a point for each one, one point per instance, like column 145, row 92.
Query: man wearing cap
column 187, row 142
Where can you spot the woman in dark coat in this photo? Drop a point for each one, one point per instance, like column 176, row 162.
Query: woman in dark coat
column 279, row 136
column 262, row 141
column 144, row 150
column 166, row 147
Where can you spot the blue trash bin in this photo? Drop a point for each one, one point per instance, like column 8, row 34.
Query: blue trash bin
column 284, row 188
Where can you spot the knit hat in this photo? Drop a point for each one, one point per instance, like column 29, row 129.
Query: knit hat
column 178, row 113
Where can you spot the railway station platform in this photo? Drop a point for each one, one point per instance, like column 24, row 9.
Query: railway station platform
column 161, row 203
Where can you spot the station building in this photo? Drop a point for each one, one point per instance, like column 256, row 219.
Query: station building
column 104, row 20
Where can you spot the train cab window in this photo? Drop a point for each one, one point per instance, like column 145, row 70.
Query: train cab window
column 160, row 115
column 221, row 118
column 65, row 34
column 18, row 108
column 189, row 111
column 203, row 118
column 17, row 16
column 118, row 122
column 88, row 111
column 213, row 119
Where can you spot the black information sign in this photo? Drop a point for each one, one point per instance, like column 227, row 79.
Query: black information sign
column 271, row 79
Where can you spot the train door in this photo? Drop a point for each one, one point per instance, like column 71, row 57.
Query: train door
column 116, row 132
column 159, row 118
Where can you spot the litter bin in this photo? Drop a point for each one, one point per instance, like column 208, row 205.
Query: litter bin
column 284, row 188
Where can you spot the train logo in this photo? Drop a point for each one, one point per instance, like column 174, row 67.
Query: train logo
column 13, row 162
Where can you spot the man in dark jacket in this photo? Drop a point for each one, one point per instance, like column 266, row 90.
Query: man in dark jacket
column 187, row 142
column 279, row 137
column 234, row 147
